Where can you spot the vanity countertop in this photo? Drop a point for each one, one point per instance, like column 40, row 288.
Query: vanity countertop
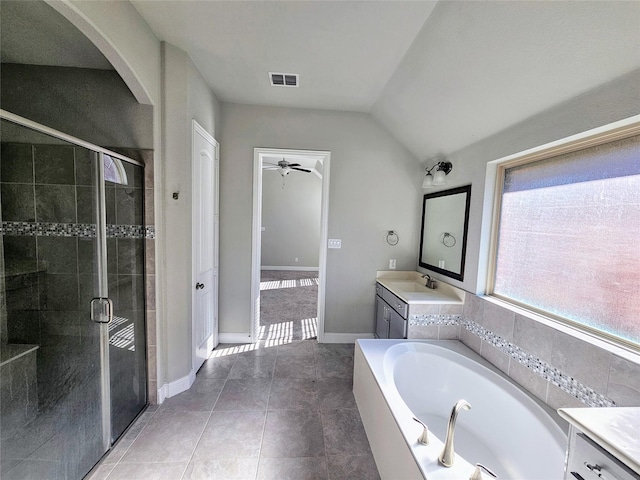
column 616, row 429
column 394, row 280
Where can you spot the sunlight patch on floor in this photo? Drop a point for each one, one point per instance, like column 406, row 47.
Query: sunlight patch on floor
column 124, row 338
column 272, row 336
column 275, row 284
column 223, row 352
column 309, row 328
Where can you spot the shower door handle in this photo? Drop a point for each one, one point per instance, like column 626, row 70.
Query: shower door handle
column 101, row 308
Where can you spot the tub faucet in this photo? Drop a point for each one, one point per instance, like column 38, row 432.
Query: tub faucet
column 477, row 474
column 447, row 455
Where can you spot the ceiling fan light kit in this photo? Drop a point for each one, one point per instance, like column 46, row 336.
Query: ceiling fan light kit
column 285, row 168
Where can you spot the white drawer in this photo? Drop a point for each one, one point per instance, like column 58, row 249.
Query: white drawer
column 589, row 461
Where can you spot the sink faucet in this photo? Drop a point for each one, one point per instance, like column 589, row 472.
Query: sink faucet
column 431, row 283
column 447, row 455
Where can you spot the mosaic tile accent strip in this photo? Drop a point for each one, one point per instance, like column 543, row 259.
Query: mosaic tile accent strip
column 440, row 320
column 83, row 230
column 125, row 231
column 44, row 229
column 570, row 385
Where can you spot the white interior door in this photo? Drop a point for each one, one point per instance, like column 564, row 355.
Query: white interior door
column 205, row 244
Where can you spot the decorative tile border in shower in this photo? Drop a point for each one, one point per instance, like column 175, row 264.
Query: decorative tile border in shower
column 126, row 231
column 83, row 230
column 568, row 384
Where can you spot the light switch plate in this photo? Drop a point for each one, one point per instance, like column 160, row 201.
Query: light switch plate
column 335, row 243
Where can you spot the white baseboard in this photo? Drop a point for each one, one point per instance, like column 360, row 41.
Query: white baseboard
column 296, row 268
column 344, row 337
column 172, row 389
column 234, row 337
column 162, row 394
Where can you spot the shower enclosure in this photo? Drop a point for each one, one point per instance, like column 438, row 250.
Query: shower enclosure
column 72, row 301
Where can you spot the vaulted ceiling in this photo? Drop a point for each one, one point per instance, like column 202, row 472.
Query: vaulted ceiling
column 438, row 75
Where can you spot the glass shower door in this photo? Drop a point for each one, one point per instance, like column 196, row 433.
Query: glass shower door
column 124, row 194
column 72, row 302
column 52, row 410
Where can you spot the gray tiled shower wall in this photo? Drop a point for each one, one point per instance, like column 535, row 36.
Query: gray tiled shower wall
column 50, row 279
column 560, row 369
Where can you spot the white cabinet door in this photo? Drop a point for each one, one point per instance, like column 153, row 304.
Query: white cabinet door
column 205, row 242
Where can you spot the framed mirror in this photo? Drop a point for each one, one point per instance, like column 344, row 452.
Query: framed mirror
column 443, row 238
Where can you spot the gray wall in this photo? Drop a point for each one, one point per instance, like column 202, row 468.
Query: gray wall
column 92, row 105
column 186, row 97
column 610, row 371
column 614, row 101
column 291, row 219
column 374, row 187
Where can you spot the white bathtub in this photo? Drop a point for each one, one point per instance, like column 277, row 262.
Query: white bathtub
column 506, row 429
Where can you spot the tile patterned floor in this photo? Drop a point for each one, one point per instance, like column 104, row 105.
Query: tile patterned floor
column 280, row 412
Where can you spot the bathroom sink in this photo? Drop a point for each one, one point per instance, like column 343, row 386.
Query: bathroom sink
column 409, row 287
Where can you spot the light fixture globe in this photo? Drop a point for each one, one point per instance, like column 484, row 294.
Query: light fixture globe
column 439, row 178
column 428, row 180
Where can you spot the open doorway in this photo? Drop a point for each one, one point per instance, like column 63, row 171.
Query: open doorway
column 289, row 244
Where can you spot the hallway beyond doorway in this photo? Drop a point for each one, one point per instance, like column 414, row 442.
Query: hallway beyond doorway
column 288, row 306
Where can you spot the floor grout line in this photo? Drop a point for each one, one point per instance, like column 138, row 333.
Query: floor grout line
column 205, row 425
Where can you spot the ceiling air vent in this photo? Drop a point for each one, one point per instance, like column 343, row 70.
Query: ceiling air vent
column 283, row 79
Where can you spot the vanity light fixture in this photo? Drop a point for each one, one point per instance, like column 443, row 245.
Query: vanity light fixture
column 439, row 177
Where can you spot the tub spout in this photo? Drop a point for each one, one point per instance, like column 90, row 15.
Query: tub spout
column 448, row 454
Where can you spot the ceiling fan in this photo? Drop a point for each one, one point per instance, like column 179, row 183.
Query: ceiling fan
column 284, row 167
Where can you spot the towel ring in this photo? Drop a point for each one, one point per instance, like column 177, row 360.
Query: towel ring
column 448, row 240
column 392, row 238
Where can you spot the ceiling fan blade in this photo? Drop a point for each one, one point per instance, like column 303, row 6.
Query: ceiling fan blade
column 300, row 169
column 294, row 164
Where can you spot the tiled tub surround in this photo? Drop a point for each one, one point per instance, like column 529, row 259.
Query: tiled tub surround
column 560, row 369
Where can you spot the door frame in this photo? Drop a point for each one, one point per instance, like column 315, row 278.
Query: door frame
column 197, row 129
column 256, row 234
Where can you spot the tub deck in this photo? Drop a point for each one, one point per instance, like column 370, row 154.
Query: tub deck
column 392, row 433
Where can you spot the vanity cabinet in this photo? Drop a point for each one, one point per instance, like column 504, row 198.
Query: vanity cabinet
column 603, row 443
column 391, row 314
column 588, row 460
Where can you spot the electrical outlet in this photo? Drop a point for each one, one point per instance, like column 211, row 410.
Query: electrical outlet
column 335, row 243
column 392, row 264
column 296, row 260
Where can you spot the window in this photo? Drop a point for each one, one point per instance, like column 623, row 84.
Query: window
column 567, row 243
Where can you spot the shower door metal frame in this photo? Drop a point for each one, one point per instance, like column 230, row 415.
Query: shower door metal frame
column 101, row 237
